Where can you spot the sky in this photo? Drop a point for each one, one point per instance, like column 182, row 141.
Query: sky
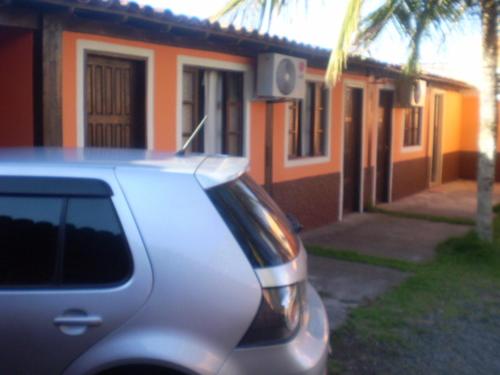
column 456, row 56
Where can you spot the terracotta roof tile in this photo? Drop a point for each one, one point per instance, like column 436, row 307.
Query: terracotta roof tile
column 148, row 12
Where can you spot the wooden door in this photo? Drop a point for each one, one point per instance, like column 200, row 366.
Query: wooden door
column 437, row 122
column 384, row 125
column 353, row 117
column 115, row 102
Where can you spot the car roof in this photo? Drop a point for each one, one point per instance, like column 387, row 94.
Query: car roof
column 209, row 169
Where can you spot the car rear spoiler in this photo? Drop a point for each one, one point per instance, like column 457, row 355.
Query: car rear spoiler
column 219, row 169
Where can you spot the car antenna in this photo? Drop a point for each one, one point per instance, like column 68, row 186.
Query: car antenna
column 182, row 151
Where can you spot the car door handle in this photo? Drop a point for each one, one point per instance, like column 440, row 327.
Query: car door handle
column 72, row 321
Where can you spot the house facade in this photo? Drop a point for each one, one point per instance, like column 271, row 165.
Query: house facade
column 98, row 73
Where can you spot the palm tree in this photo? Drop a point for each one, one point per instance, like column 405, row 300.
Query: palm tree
column 414, row 20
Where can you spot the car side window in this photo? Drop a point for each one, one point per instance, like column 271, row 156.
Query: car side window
column 96, row 251
column 61, row 242
column 29, row 232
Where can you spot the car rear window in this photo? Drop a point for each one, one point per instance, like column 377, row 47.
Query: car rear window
column 259, row 226
column 59, row 242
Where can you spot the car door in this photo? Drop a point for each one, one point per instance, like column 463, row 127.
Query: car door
column 72, row 269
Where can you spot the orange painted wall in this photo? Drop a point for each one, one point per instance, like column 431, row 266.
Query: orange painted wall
column 458, row 132
column 16, row 91
column 401, row 153
column 456, row 112
column 470, row 121
column 283, row 172
column 452, row 122
column 165, row 95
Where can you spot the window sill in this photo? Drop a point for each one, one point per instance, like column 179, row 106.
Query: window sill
column 412, row 148
column 306, row 160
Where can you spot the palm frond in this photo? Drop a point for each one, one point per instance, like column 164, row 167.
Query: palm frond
column 230, row 6
column 340, row 54
column 375, row 22
column 262, row 11
column 413, row 19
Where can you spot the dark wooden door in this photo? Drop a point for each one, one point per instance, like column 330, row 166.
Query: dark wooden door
column 384, row 125
column 437, row 123
column 353, row 117
column 115, row 102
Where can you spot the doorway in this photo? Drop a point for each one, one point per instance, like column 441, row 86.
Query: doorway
column 384, row 126
column 437, row 125
column 115, row 93
column 353, row 120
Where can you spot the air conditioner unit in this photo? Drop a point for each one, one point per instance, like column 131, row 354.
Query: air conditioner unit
column 280, row 76
column 412, row 93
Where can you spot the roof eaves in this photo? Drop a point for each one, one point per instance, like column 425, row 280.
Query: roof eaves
column 146, row 13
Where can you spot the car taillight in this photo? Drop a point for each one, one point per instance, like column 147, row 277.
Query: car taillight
column 278, row 317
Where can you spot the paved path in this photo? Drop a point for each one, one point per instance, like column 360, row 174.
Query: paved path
column 386, row 236
column 345, row 285
column 457, row 198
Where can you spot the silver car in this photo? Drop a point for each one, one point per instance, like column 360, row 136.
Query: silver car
column 134, row 262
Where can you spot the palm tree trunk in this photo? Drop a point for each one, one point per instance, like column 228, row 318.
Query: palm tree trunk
column 487, row 122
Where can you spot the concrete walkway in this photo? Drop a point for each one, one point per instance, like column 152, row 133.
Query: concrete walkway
column 457, row 198
column 345, row 285
column 385, row 236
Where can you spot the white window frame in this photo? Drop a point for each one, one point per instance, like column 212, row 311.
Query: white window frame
column 85, row 46
column 311, row 160
column 205, row 63
column 413, row 148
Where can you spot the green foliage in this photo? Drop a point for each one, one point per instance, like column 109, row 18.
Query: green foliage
column 463, row 271
column 335, row 367
column 340, row 54
column 414, row 20
column 259, row 12
column 421, row 216
column 353, row 256
column 446, row 285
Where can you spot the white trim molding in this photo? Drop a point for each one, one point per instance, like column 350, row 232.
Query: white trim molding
column 352, row 83
column 413, row 148
column 311, row 160
column 431, row 134
column 84, row 46
column 246, row 69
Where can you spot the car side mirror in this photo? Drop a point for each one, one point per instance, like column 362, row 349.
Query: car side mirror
column 294, row 222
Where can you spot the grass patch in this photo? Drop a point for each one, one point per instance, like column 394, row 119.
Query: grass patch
column 464, row 271
column 353, row 256
column 427, row 217
column 335, row 367
column 461, row 265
